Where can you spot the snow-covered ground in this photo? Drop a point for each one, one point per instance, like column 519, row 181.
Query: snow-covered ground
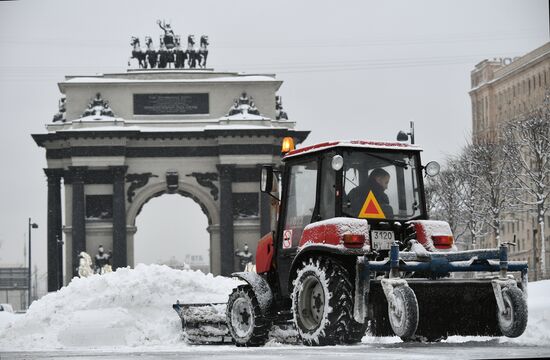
column 130, row 310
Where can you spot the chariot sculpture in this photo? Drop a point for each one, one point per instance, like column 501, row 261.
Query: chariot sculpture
column 170, row 53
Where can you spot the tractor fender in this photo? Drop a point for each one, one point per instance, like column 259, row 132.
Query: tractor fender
column 261, row 289
column 321, row 249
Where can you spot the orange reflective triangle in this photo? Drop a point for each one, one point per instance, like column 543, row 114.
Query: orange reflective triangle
column 371, row 209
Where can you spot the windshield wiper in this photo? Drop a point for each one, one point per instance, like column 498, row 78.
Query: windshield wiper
column 400, row 163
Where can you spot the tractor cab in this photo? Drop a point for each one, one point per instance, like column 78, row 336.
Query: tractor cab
column 380, row 182
column 367, row 189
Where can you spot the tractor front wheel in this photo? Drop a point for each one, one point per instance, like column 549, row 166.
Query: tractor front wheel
column 403, row 312
column 245, row 321
column 322, row 302
column 513, row 320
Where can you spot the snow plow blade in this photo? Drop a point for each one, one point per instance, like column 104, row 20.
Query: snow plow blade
column 447, row 307
column 204, row 323
column 488, row 306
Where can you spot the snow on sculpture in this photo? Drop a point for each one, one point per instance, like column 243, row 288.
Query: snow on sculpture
column 98, row 107
column 85, row 265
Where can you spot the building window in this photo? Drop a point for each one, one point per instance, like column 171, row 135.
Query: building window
column 99, row 207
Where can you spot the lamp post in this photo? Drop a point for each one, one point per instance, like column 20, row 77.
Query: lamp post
column 31, row 226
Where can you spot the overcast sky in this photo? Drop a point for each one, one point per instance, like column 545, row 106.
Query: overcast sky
column 351, row 69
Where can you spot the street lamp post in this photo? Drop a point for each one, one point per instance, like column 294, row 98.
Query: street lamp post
column 31, row 226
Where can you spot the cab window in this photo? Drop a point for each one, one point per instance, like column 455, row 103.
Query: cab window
column 327, row 206
column 302, row 190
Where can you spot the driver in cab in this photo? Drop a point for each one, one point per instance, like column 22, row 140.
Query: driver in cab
column 377, row 182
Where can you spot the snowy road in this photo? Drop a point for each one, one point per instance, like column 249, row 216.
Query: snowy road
column 128, row 315
column 469, row 350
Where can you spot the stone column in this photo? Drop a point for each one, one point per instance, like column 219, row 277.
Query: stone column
column 227, row 251
column 120, row 245
column 79, row 214
column 55, row 249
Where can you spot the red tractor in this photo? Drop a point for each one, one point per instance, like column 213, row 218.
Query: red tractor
column 353, row 250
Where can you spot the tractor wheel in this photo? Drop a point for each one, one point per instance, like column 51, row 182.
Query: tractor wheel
column 513, row 322
column 245, row 321
column 322, row 302
column 403, row 312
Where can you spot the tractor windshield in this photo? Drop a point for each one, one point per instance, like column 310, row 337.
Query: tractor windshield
column 381, row 185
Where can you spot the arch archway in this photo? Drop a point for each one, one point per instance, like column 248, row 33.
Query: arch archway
column 172, row 230
column 186, row 189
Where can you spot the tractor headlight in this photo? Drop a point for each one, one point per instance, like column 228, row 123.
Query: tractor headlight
column 432, row 168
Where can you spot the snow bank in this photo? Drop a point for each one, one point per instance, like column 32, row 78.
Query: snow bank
column 538, row 325
column 6, row 318
column 126, row 308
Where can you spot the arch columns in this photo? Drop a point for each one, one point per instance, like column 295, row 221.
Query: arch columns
column 54, row 242
column 120, row 244
column 227, row 257
column 77, row 174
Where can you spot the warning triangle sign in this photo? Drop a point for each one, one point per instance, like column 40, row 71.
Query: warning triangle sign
column 371, row 208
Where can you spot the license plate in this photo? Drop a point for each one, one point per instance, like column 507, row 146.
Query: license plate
column 382, row 240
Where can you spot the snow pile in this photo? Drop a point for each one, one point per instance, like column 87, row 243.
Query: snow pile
column 129, row 307
column 538, row 325
column 6, row 318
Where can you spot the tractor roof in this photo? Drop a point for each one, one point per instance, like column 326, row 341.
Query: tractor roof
column 366, row 144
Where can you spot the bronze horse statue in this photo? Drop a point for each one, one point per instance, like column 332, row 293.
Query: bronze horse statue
column 203, row 51
column 137, row 53
column 180, row 54
column 152, row 54
column 191, row 52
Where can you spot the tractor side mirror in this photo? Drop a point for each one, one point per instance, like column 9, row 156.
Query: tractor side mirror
column 432, row 168
column 266, row 179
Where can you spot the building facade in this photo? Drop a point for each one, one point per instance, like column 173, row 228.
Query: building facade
column 504, row 90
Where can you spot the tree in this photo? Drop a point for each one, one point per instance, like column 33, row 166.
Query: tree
column 528, row 146
column 475, row 208
column 446, row 198
column 491, row 169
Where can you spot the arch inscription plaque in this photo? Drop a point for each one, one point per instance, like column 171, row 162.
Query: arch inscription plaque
column 171, row 104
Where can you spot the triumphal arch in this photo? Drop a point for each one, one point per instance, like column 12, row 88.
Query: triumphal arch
column 121, row 139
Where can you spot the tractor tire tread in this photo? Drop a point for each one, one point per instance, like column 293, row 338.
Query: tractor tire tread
column 262, row 324
column 338, row 292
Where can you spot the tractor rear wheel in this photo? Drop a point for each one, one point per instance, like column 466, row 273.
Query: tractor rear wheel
column 403, row 312
column 513, row 321
column 247, row 325
column 322, row 302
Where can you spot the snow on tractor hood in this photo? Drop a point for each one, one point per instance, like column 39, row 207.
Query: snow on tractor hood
column 435, row 236
column 331, row 232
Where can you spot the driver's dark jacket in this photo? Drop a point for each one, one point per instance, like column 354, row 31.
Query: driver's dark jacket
column 358, row 196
